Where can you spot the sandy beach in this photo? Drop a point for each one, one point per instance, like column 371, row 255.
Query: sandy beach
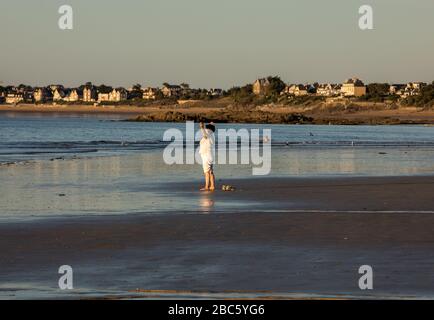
column 219, row 112
column 312, row 249
column 73, row 109
column 197, row 151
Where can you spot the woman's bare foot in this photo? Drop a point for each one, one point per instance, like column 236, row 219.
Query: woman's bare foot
column 204, row 189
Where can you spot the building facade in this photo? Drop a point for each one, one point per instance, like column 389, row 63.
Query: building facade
column 328, row 90
column 89, row 94
column 116, row 95
column 58, row 95
column 171, row 90
column 261, row 86
column 296, row 90
column 14, row 98
column 412, row 89
column 74, row 95
column 353, row 87
column 42, row 95
column 150, row 93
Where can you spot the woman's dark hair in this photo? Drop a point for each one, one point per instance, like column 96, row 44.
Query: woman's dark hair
column 210, row 127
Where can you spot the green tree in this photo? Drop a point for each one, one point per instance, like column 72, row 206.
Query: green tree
column 136, row 92
column 378, row 89
column 425, row 99
column 376, row 92
column 137, row 87
column 276, row 86
column 105, row 89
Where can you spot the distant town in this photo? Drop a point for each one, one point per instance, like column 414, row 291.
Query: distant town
column 270, row 86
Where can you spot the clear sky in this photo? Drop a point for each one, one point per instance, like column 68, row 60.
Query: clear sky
column 217, row 43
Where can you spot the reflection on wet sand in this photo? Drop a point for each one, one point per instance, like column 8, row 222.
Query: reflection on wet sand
column 206, row 202
column 134, row 183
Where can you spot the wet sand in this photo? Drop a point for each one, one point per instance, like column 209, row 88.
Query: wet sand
column 312, row 241
column 364, row 194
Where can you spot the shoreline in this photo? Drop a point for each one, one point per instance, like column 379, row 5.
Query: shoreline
column 71, row 109
column 286, row 115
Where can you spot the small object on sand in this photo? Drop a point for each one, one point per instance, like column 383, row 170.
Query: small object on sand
column 61, row 194
column 228, row 188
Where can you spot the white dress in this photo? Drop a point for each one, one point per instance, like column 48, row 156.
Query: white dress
column 206, row 150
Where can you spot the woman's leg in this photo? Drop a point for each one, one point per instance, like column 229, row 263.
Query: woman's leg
column 207, row 179
column 211, row 180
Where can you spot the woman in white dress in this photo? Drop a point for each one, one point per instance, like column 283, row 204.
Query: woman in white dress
column 207, row 151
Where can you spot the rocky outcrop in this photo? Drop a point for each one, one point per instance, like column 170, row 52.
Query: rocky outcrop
column 226, row 116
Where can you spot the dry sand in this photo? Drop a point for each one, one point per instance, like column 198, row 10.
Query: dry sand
column 73, row 109
column 322, row 116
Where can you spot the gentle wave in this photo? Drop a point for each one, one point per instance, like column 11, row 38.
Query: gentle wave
column 162, row 144
column 14, row 152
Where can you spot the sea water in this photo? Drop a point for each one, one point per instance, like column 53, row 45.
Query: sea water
column 58, row 165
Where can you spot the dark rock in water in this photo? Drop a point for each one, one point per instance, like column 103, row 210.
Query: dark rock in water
column 296, row 118
column 224, row 116
column 7, row 164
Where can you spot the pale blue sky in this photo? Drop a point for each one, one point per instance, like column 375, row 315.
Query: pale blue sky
column 217, row 43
